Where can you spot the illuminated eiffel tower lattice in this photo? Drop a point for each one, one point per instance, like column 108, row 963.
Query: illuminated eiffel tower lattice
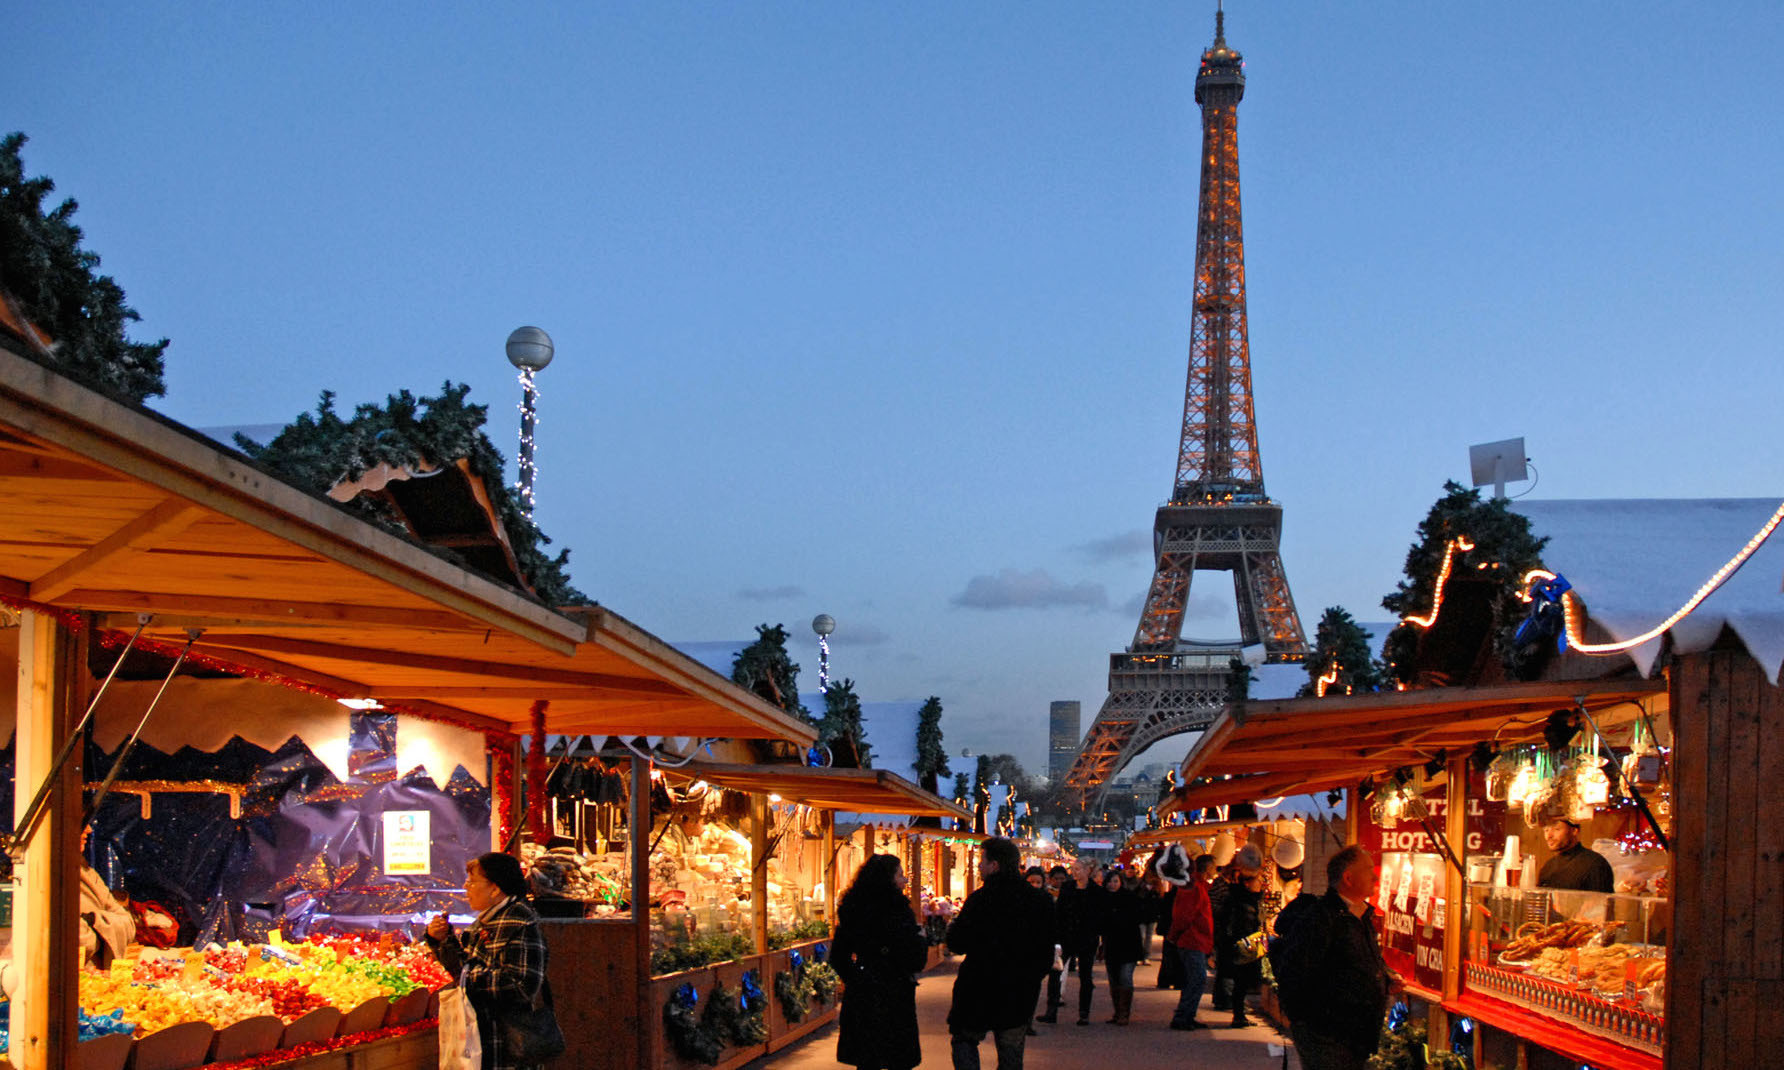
column 1218, row 519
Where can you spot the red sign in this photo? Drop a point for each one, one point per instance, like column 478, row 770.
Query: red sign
column 1486, row 825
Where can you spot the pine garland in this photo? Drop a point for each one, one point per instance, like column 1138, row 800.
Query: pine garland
column 316, row 451
column 691, row 1037
column 44, row 269
column 1504, row 550
column 727, row 1016
column 824, row 981
column 794, row 989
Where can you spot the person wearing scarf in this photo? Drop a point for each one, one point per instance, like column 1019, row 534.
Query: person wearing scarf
column 500, row 959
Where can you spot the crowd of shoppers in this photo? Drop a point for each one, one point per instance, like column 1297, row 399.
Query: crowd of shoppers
column 1025, row 927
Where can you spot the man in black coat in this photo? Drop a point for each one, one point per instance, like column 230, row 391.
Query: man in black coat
column 1329, row 972
column 1081, row 908
column 1005, row 930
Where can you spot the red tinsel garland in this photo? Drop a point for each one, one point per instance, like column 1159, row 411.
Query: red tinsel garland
column 304, row 1051
column 501, row 778
column 71, row 620
column 536, row 776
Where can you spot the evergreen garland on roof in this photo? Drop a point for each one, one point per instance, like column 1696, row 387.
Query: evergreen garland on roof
column 318, row 450
column 1504, row 550
column 1341, row 642
column 766, row 669
column 52, row 279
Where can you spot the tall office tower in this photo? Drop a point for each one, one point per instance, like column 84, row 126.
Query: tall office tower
column 1063, row 722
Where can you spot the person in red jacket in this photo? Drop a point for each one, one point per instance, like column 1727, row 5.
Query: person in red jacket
column 1192, row 934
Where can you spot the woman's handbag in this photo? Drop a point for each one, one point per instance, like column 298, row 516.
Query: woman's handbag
column 460, row 1047
column 531, row 1036
column 1248, row 949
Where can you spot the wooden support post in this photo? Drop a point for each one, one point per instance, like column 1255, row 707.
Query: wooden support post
column 638, row 837
column 1352, row 800
column 46, row 899
column 759, row 871
column 1456, row 917
column 830, row 868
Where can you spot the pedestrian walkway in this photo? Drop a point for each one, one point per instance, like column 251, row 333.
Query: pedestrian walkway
column 1147, row 1043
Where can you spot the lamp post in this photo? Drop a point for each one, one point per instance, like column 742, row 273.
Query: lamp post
column 823, row 624
column 530, row 350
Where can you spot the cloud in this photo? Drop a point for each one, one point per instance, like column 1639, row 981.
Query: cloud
column 771, row 594
column 1123, row 547
column 1014, row 589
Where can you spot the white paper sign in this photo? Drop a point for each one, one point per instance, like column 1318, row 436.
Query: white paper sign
column 408, row 844
column 1423, row 910
column 1403, row 893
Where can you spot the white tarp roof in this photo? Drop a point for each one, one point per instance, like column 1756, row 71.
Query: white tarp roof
column 1634, row 562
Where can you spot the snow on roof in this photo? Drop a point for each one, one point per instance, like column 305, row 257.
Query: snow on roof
column 1635, row 562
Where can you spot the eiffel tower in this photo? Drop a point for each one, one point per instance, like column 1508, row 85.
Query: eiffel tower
column 1218, row 519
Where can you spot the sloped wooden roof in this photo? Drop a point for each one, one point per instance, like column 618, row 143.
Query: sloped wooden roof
column 1305, row 746
column 860, row 791
column 113, row 510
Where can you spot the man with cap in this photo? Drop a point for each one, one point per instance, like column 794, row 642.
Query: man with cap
column 1574, row 865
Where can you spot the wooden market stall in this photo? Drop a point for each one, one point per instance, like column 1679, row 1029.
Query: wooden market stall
column 1681, row 714
column 119, row 518
column 789, row 822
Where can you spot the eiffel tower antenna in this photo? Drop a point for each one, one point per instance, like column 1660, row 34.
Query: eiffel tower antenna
column 1218, row 519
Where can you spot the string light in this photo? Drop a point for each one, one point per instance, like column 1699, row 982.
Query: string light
column 1460, row 542
column 527, row 470
column 1573, row 614
column 1326, row 681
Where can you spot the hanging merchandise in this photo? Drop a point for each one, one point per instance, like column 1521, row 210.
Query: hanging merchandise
column 1500, row 775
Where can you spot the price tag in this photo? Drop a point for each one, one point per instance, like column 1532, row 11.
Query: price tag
column 1573, row 966
column 193, row 968
column 1631, row 969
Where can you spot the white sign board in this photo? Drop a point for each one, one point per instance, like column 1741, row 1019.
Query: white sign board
column 408, row 844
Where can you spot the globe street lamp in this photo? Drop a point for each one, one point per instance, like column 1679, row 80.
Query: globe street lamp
column 529, row 349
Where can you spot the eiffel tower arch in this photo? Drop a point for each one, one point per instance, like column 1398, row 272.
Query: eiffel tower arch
column 1218, row 519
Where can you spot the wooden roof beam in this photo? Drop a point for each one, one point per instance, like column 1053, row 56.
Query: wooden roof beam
column 305, row 648
column 214, row 611
column 168, row 518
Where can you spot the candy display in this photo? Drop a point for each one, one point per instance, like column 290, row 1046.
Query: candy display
column 226, row 985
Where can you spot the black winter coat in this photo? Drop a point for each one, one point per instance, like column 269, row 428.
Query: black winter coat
column 877, row 951
column 1330, row 974
column 1080, row 913
column 1005, row 930
column 1236, row 919
column 1123, row 914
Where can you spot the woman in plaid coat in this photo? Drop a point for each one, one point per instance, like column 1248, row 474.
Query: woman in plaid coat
column 500, row 959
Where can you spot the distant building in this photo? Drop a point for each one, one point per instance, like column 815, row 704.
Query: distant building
column 1064, row 730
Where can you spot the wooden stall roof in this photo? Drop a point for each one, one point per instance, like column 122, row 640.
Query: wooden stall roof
column 1301, row 746
column 113, row 510
column 1158, row 837
column 859, row 791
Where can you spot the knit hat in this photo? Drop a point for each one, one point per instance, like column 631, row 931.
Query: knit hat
column 1288, row 853
column 1173, row 865
column 1249, row 859
column 1223, row 848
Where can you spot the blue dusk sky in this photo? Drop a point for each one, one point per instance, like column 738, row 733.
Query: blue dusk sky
column 882, row 310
